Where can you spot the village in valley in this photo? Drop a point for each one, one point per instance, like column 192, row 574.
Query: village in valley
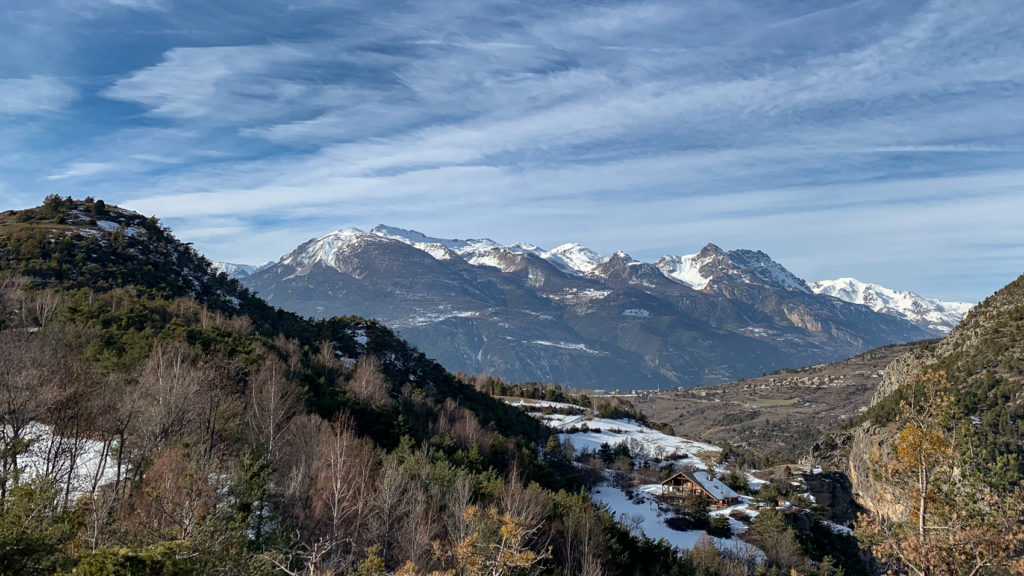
column 661, row 486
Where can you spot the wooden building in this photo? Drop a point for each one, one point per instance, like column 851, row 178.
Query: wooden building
column 688, row 482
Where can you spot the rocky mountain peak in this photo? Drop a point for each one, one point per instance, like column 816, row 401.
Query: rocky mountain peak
column 439, row 248
column 710, row 250
column 328, row 248
column 756, row 267
column 623, row 257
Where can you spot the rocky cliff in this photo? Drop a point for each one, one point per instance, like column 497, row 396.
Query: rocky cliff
column 982, row 368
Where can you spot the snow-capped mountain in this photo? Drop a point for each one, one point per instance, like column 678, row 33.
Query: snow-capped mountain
column 572, row 316
column 439, row 248
column 570, row 258
column 926, row 312
column 713, row 265
column 239, row 271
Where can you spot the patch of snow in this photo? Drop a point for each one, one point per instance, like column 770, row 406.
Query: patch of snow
column 576, row 258
column 754, row 482
column 439, row 248
column 577, row 296
column 327, row 248
column 360, row 336
column 838, row 528
column 636, row 313
column 645, row 516
column 528, row 402
column 646, row 441
column 239, row 271
column 434, row 318
column 90, row 460
column 570, row 258
column 568, row 346
column 495, row 258
column 685, row 269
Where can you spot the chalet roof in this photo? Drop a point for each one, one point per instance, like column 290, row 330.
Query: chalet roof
column 709, row 483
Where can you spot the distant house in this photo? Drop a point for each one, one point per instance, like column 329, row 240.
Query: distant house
column 685, row 483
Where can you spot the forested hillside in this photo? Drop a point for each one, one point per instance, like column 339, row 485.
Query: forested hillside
column 156, row 418
column 939, row 457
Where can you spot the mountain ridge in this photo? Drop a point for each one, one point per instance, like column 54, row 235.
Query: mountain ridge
column 482, row 307
column 921, row 310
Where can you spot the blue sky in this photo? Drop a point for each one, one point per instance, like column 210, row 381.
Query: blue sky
column 876, row 139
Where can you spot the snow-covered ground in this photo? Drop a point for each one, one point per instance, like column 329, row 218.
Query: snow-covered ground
column 544, row 404
column 754, row 482
column 640, row 439
column 644, row 515
column 91, row 465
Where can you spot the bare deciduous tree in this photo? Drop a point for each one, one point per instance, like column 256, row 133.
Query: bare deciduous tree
column 273, row 402
column 463, row 425
column 26, row 392
column 174, row 499
column 343, row 487
column 368, row 383
column 168, row 384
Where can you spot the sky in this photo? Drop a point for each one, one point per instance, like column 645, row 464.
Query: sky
column 875, row 139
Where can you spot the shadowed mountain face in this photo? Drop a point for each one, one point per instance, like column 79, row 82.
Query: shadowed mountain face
column 571, row 316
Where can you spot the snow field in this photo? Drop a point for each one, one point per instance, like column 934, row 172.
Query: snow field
column 644, row 516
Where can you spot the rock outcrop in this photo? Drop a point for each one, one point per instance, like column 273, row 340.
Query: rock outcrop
column 833, row 491
column 868, row 441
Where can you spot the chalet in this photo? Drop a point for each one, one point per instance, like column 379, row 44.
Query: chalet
column 685, row 483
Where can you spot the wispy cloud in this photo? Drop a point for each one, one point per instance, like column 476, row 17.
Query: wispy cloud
column 889, row 129
column 80, row 169
column 34, row 95
column 223, row 84
column 139, row 4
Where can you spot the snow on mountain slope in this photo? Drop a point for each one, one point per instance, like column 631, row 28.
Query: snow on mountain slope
column 760, row 266
column 93, row 462
column 644, row 515
column 239, row 270
column 927, row 312
column 573, row 257
column 437, row 247
column 326, row 249
column 713, row 264
column 685, row 269
column 570, row 258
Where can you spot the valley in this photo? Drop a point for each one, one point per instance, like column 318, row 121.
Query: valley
column 193, row 425
column 778, row 416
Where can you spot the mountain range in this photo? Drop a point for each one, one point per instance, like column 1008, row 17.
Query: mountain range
column 925, row 312
column 572, row 316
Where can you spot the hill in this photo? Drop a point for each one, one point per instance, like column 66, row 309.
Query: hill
column 939, row 456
